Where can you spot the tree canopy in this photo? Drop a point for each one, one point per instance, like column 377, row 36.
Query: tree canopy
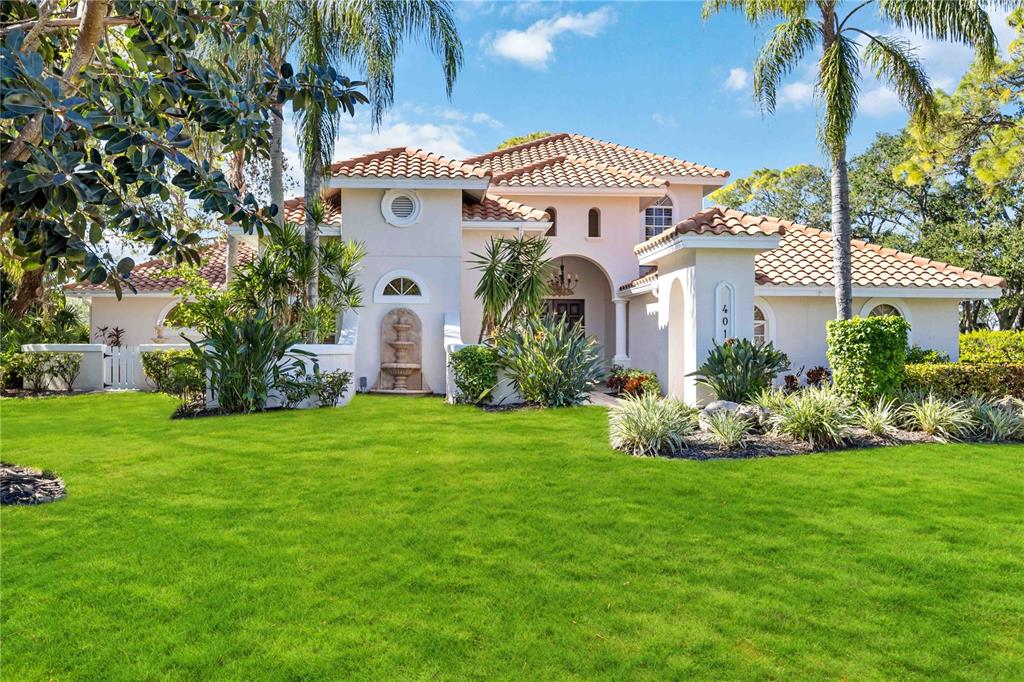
column 523, row 139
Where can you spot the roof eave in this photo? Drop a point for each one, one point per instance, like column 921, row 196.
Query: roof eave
column 955, row 292
column 507, row 190
column 343, row 182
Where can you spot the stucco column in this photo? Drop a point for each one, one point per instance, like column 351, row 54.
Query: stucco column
column 620, row 357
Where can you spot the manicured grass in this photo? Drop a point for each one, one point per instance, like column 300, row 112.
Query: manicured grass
column 406, row 539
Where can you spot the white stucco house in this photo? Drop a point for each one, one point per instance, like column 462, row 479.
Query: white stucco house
column 653, row 274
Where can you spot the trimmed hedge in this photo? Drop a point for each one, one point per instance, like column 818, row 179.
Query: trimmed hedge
column 475, row 370
column 992, row 347
column 957, row 380
column 175, row 372
column 867, row 355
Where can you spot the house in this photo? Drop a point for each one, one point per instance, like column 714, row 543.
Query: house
column 652, row 274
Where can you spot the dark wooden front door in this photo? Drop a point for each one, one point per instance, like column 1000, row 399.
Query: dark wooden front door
column 571, row 308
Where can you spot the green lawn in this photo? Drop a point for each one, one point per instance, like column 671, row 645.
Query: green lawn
column 407, row 539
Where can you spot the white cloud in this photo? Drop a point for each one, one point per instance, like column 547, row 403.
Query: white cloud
column 666, row 120
column 796, row 95
column 534, row 46
column 738, row 79
column 356, row 138
column 487, row 119
column 879, row 102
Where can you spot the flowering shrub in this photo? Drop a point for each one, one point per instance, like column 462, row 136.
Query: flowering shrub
column 629, row 381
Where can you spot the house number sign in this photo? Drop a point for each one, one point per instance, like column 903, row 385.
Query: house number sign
column 725, row 302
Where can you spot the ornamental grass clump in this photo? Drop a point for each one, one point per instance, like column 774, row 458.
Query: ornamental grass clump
column 995, row 422
column 771, row 399
column 646, row 425
column 880, row 419
column 940, row 419
column 728, row 429
column 820, row 417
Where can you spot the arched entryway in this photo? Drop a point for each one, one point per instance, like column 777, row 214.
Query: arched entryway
column 589, row 299
column 676, row 364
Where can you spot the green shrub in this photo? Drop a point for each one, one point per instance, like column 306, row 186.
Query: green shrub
column 331, row 386
column 738, row 369
column 34, row 369
column 992, row 347
column 819, row 416
column 943, row 420
column 66, row 367
column 956, row 380
column 177, row 373
column 551, row 362
column 880, row 419
column 646, row 425
column 295, row 389
column 867, row 355
column 922, row 356
column 630, row 381
column 246, row 359
column 475, row 369
column 728, row 429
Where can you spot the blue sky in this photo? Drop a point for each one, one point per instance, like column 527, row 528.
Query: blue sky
column 645, row 74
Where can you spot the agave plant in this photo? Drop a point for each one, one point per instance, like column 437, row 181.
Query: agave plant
column 739, row 369
column 551, row 362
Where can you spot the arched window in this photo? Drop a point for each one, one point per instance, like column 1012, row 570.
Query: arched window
column 883, row 309
column 657, row 217
column 553, row 230
column 594, row 223
column 760, row 327
column 400, row 286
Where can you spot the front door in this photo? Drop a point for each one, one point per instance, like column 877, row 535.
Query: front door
column 571, row 308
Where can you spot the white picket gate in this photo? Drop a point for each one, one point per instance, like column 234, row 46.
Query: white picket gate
column 123, row 368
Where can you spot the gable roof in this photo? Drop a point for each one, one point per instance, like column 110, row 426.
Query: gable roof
column 494, row 208
column 580, row 146
column 151, row 278
column 804, row 256
column 573, row 171
column 407, row 162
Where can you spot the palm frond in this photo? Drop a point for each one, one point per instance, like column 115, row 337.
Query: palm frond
column 838, row 83
column 787, row 45
column 757, row 11
column 962, row 21
column 895, row 62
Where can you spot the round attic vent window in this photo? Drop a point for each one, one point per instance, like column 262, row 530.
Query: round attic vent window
column 400, row 207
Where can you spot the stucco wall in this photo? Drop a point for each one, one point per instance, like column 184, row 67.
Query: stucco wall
column 137, row 315
column 429, row 250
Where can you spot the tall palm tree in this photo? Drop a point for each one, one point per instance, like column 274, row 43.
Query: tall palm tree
column 831, row 26
column 366, row 35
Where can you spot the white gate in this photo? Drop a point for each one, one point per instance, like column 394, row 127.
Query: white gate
column 123, row 368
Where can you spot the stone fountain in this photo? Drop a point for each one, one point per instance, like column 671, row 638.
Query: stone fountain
column 401, row 353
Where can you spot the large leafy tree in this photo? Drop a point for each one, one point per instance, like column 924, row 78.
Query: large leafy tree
column 798, row 193
column 97, row 100
column 846, row 46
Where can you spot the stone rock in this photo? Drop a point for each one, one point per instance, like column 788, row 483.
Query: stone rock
column 1011, row 404
column 757, row 416
column 22, row 485
column 713, row 408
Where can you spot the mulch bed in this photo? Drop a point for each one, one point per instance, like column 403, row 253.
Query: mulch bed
column 700, row 446
column 22, row 485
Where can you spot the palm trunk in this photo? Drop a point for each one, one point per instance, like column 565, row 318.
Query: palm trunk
column 841, row 235
column 277, row 164
column 314, row 175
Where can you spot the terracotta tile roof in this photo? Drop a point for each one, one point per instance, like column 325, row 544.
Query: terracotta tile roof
column 572, row 171
column 295, row 211
column 581, row 146
column 407, row 162
column 150, row 277
column 804, row 257
column 495, row 208
column 717, row 220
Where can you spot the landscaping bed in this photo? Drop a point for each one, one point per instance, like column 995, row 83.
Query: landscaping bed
column 702, row 446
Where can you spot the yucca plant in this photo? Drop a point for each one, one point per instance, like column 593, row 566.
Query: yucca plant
column 645, row 425
column 739, row 369
column 819, row 416
column 941, row 419
column 513, row 281
column 551, row 362
column 879, row 419
column 245, row 359
column 728, row 429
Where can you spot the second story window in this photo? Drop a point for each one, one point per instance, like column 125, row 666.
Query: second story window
column 594, row 223
column 658, row 217
column 553, row 230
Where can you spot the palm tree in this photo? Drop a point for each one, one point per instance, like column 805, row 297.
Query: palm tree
column 513, row 282
column 845, row 47
column 366, row 35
